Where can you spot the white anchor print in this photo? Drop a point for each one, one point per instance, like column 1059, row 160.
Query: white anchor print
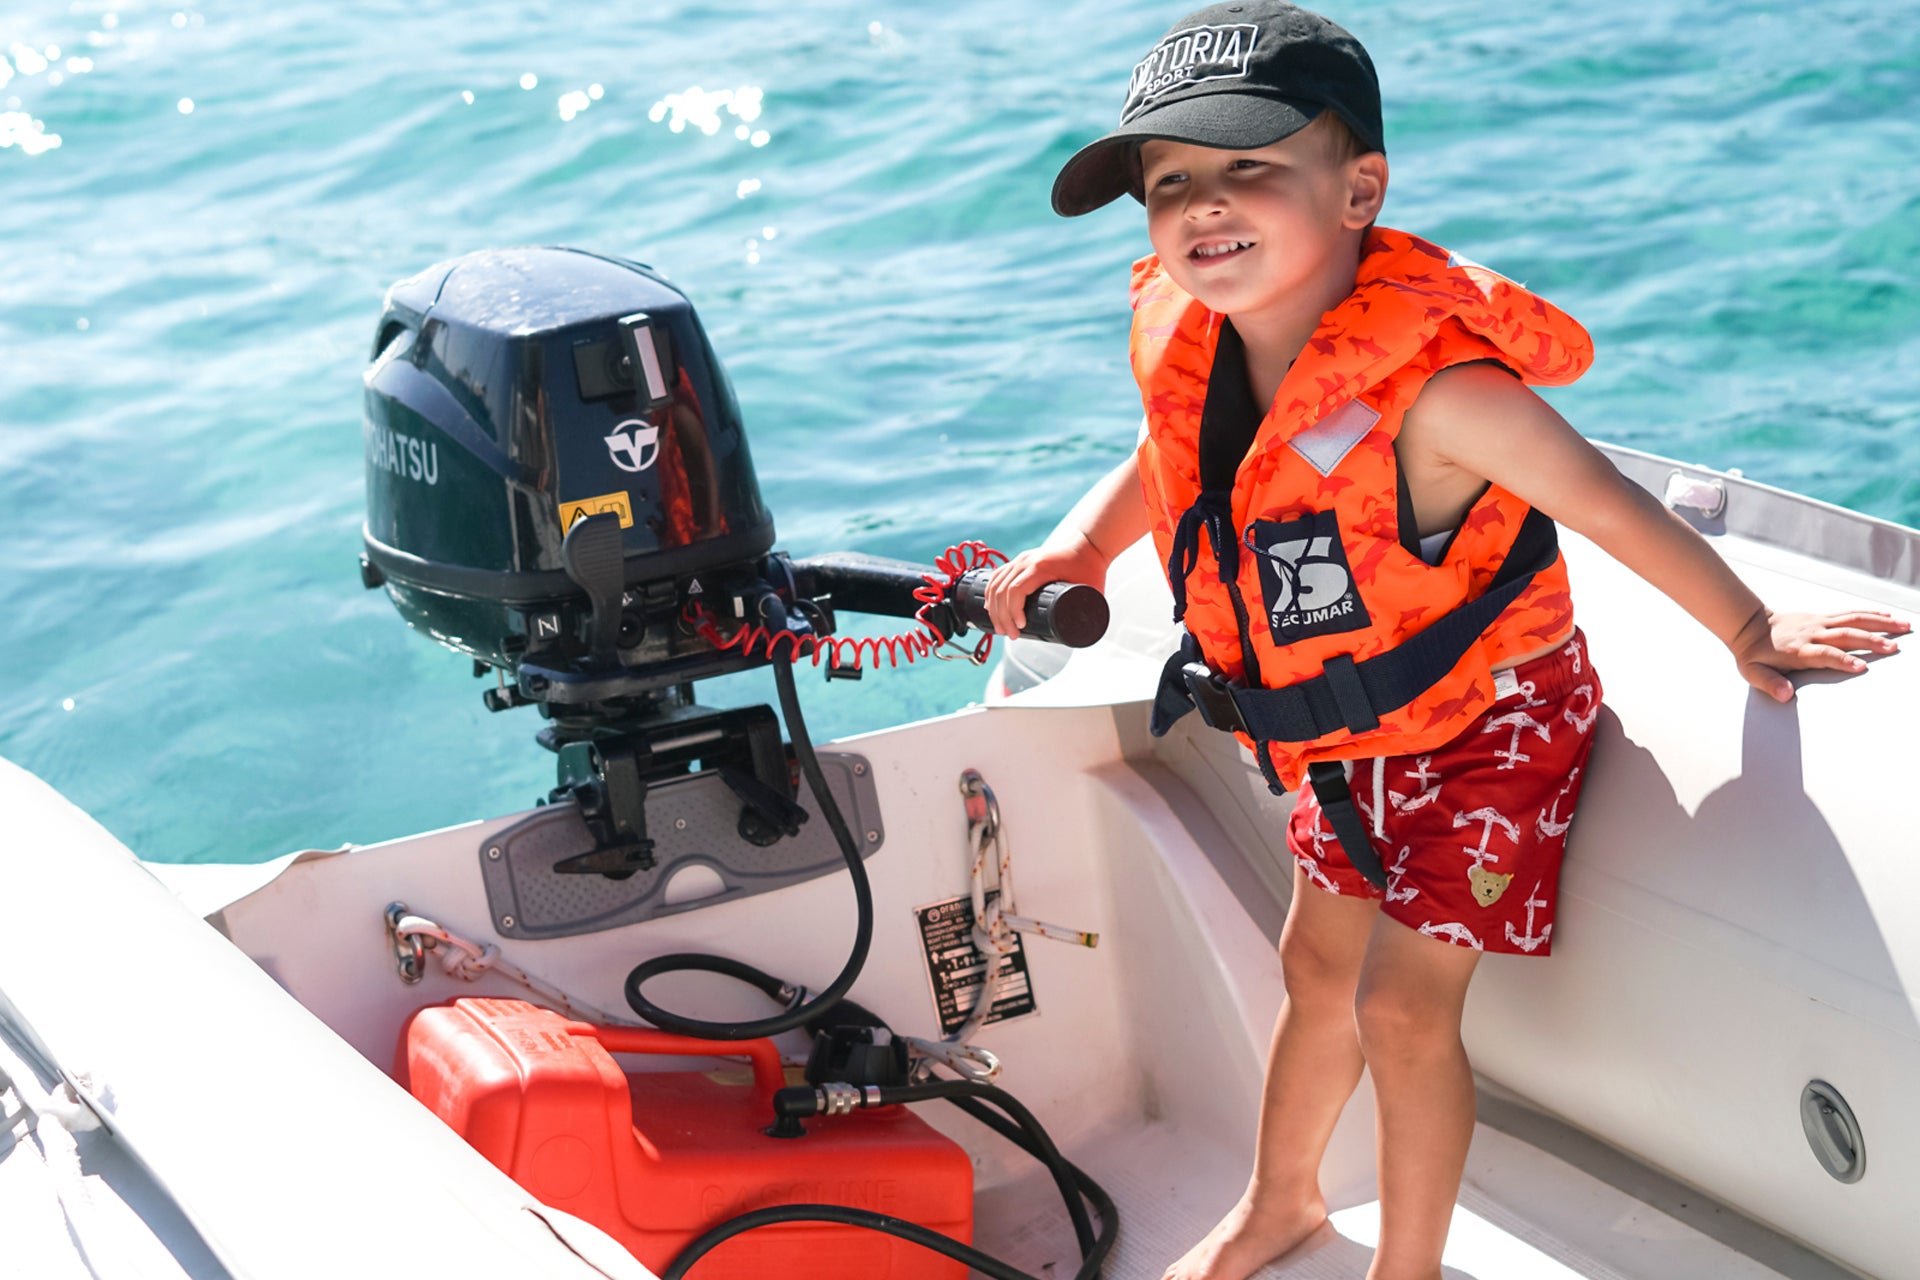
column 1519, row 722
column 1420, row 799
column 1491, row 817
column 1530, row 941
column 1548, row 824
column 1458, row 934
column 1573, row 650
column 1582, row 721
column 1366, row 810
column 1315, row 874
column 1395, row 874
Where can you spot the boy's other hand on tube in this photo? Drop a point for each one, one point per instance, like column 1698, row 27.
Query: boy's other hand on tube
column 1011, row 583
column 1772, row 644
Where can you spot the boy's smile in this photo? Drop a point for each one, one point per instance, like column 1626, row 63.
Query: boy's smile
column 1208, row 252
column 1259, row 232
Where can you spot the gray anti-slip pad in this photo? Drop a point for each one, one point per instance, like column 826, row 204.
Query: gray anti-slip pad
column 694, row 822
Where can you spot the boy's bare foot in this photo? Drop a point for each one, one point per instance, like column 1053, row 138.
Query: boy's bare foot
column 1248, row 1238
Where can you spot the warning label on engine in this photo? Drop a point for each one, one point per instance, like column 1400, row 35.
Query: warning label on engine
column 615, row 504
column 956, row 970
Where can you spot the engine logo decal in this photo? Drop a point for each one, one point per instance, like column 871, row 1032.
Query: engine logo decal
column 634, row 450
column 410, row 457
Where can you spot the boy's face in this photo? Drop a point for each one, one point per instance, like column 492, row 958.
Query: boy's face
column 1242, row 231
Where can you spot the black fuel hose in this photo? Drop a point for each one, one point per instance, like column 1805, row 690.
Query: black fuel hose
column 1038, row 1143
column 887, row 1223
column 1023, row 1130
column 1103, row 1204
column 799, row 1014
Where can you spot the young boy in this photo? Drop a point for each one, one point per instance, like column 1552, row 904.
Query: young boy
column 1354, row 491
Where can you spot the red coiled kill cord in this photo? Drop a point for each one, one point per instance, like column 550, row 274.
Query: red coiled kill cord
column 847, row 653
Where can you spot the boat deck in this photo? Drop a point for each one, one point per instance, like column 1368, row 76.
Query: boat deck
column 1523, row 1214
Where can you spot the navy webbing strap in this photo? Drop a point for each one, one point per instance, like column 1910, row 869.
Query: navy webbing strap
column 1354, row 695
column 1229, row 420
column 1212, row 510
column 1171, row 699
column 1331, row 789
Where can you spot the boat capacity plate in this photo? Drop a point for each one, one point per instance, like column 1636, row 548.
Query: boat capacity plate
column 956, row 970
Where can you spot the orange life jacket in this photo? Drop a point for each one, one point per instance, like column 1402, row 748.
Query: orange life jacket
column 1323, row 593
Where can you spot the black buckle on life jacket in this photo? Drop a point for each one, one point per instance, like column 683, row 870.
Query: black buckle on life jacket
column 1213, row 698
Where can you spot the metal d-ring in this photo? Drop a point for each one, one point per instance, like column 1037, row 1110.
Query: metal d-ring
column 409, row 953
column 983, row 808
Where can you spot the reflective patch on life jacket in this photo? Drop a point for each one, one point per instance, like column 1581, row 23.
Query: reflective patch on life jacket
column 1305, row 579
column 1329, row 440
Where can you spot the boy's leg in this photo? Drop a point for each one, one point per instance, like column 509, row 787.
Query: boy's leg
column 1412, row 991
column 1313, row 1065
column 1479, row 824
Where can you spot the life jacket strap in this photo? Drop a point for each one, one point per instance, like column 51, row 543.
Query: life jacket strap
column 1172, row 698
column 1347, row 694
column 1213, row 511
column 1335, row 794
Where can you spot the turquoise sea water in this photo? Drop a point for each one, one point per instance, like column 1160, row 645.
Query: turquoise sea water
column 1724, row 192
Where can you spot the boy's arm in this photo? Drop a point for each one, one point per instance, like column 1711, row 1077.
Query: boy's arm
column 1109, row 519
column 1482, row 420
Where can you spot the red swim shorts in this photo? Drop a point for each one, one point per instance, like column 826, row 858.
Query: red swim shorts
column 1471, row 833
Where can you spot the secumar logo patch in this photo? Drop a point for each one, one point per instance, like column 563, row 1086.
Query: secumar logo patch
column 1188, row 57
column 1305, row 579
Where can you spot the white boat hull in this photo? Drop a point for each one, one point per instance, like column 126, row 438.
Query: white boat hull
column 1731, row 928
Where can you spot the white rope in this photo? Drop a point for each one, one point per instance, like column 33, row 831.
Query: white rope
column 993, row 932
column 1380, row 796
column 995, row 925
column 470, row 961
column 969, row 1061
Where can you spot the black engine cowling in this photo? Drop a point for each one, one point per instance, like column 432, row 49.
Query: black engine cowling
column 514, row 392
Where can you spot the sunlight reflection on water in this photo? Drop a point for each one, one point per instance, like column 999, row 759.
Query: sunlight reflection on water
column 18, row 129
column 701, row 109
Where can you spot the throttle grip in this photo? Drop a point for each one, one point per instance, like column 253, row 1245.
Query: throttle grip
column 1069, row 613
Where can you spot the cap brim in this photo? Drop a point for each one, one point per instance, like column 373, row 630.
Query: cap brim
column 1100, row 172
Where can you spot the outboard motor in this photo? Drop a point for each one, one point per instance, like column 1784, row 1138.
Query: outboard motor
column 558, row 484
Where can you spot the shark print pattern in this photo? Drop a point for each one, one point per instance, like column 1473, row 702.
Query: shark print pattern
column 1415, row 309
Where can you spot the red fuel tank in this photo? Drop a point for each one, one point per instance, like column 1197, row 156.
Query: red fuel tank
column 656, row 1158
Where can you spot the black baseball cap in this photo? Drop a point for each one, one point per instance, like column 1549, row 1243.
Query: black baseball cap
column 1239, row 75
